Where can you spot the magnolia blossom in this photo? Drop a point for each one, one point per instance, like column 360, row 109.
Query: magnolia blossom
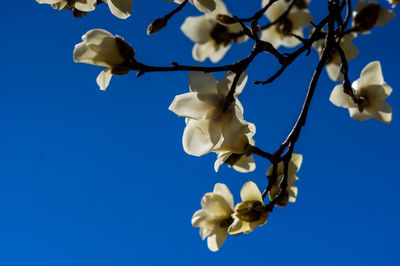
column 211, row 120
column 250, row 213
column 281, row 33
column 334, row 61
column 291, row 191
column 212, row 38
column 371, row 90
column 101, row 48
column 300, row 3
column 119, row 8
column 215, row 216
column 367, row 15
column 202, row 5
column 237, row 156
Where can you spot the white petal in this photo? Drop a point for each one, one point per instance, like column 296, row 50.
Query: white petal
column 385, row 15
column 223, row 190
column 120, row 8
column 297, row 160
column 333, row 71
column 272, row 36
column 222, row 157
column 217, row 238
column 233, row 126
column 193, row 105
column 341, row 99
column 201, row 52
column 200, row 137
column 383, row 113
column 355, row 114
column 250, row 192
column 274, row 11
column 216, row 206
column 88, row 6
column 47, row 1
column 238, row 227
column 82, row 54
column 301, row 18
column 371, row 75
column 103, row 79
column 205, row 5
column 201, row 82
column 197, row 29
column 225, row 83
column 245, row 164
column 219, row 53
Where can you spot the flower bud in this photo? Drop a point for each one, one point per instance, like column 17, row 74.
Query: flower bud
column 157, row 25
column 367, row 17
column 249, row 211
column 225, row 19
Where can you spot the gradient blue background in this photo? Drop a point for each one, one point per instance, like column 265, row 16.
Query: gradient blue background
column 100, row 178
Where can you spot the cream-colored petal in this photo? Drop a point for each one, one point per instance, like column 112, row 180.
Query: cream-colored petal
column 360, row 116
column 245, row 164
column 351, row 51
column 222, row 157
column 233, row 126
column 272, row 36
column 201, row 52
column 250, row 192
column 292, row 193
column 48, row 1
column 193, row 105
column 82, row 54
column 274, row 11
column 371, row 75
column 219, row 53
column 104, row 78
column 198, row 217
column 198, row 29
column 223, row 190
column 297, row 160
column 220, row 8
column 387, row 90
column 120, row 8
column 225, row 84
column 238, row 227
column 383, row 113
column 385, row 15
column 290, row 41
column 333, row 71
column 203, row 83
column 341, row 99
column 204, row 5
column 216, row 206
column 200, row 136
column 87, row 6
column 204, row 232
column 217, row 238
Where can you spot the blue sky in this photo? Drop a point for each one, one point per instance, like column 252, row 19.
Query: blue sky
column 100, row 178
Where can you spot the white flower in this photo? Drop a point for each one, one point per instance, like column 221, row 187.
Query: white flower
column 101, row 48
column 372, row 90
column 334, row 61
column 294, row 22
column 367, row 15
column 119, row 8
column 236, row 156
column 208, row 123
column 202, row 5
column 291, row 190
column 212, row 38
column 250, row 213
column 215, row 216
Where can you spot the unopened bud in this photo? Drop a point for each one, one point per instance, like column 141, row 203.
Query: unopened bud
column 157, row 25
column 367, row 17
column 225, row 19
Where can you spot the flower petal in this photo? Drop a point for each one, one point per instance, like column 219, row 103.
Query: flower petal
column 104, row 78
column 200, row 136
column 360, row 116
column 225, row 83
column 201, row 82
column 192, row 106
column 201, row 52
column 341, row 99
column 223, row 190
column 216, row 206
column 217, row 238
column 222, row 157
column 383, row 113
column 120, row 8
column 197, row 29
column 204, row 5
column 371, row 75
column 219, row 53
column 250, row 192
column 245, row 164
column 272, row 36
column 385, row 15
column 238, row 227
column 300, row 18
column 274, row 11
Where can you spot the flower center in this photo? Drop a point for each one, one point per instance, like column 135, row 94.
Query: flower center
column 226, row 222
column 249, row 211
column 285, row 26
column 220, row 34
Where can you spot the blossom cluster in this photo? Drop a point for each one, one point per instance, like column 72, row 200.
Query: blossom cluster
column 214, row 116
